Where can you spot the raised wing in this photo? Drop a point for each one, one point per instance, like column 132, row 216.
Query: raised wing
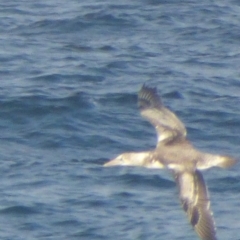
column 167, row 125
column 195, row 201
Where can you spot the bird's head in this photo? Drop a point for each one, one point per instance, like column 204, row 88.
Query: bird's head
column 128, row 159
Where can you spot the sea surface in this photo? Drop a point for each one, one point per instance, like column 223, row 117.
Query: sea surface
column 69, row 76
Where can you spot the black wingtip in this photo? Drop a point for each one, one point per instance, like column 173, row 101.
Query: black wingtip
column 148, row 97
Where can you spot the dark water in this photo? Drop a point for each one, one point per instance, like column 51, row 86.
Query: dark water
column 70, row 72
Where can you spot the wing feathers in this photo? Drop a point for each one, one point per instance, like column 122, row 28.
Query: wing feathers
column 167, row 125
column 148, row 98
column 195, row 202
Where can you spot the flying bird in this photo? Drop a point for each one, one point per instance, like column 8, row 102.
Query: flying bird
column 174, row 152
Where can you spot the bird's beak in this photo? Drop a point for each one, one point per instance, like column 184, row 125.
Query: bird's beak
column 113, row 162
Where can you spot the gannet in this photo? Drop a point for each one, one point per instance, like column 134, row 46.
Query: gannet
column 174, row 152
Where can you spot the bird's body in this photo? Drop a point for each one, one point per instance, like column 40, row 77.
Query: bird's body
column 175, row 152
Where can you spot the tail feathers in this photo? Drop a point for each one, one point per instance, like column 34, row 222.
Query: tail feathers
column 210, row 160
column 225, row 161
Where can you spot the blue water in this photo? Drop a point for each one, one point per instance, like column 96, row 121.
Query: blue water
column 70, row 72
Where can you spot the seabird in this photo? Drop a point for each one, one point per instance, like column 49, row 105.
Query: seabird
column 174, row 152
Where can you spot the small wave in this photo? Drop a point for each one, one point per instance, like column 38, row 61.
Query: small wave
column 18, row 210
column 70, row 223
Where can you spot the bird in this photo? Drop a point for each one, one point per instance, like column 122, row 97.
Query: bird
column 175, row 152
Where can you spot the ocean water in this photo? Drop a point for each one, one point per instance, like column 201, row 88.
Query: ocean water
column 70, row 72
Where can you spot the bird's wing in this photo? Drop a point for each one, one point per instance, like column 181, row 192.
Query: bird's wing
column 167, row 125
column 195, row 202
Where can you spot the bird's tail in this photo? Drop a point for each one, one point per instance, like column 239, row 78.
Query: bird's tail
column 225, row 161
column 210, row 160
